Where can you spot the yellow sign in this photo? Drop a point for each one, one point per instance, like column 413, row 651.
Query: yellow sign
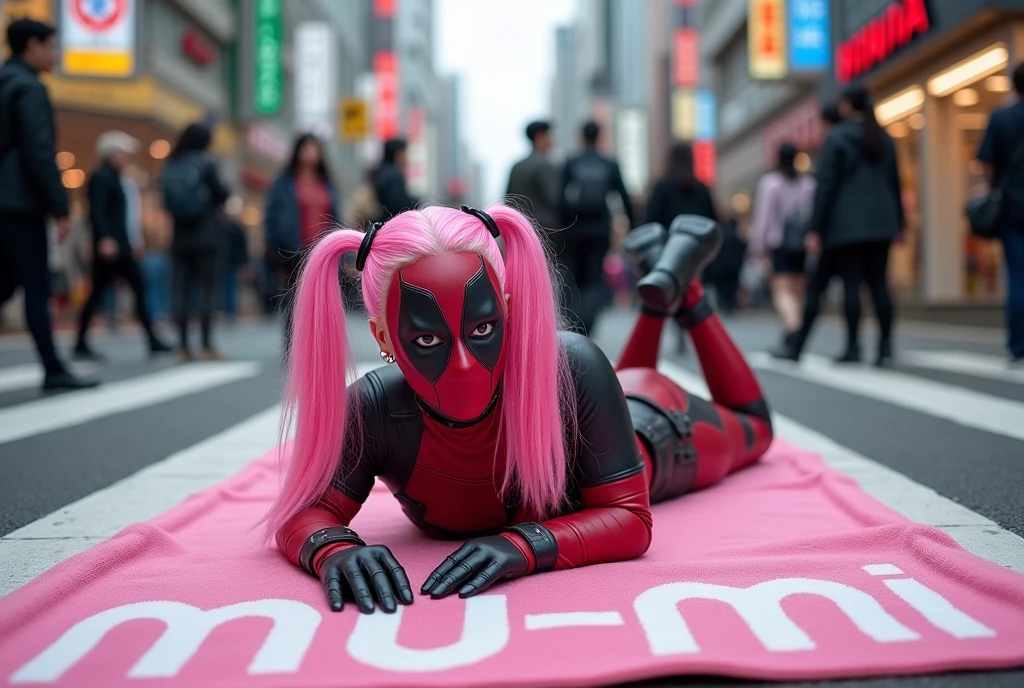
column 354, row 120
column 143, row 97
column 684, row 114
column 99, row 63
column 766, row 36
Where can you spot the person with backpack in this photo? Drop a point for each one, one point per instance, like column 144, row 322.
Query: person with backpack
column 193, row 196
column 1002, row 154
column 587, row 180
column 113, row 215
column 31, row 190
column 858, row 213
column 782, row 209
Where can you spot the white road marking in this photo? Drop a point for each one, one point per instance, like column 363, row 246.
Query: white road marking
column 538, row 622
column 965, row 363
column 74, row 408
column 31, row 550
column 920, row 504
column 950, row 402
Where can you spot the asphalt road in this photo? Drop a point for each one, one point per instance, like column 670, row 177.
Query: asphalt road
column 922, row 422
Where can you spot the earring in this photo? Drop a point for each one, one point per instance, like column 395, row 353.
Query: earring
column 388, row 358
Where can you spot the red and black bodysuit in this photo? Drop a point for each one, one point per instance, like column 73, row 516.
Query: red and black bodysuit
column 641, row 438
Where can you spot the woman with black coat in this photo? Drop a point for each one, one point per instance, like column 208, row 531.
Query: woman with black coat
column 679, row 192
column 858, row 213
column 194, row 195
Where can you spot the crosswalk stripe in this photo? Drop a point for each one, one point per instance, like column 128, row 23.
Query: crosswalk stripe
column 964, row 362
column 919, row 503
column 959, row 405
column 53, row 413
column 34, row 548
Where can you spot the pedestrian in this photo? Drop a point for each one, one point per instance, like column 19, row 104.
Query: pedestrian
column 723, row 272
column 234, row 258
column 193, row 196
column 115, row 216
column 389, row 181
column 31, row 190
column 782, row 209
column 534, row 180
column 303, row 203
column 587, row 180
column 1002, row 154
column 857, row 215
column 679, row 192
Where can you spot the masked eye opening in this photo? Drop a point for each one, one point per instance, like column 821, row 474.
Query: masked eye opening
column 482, row 330
column 428, row 341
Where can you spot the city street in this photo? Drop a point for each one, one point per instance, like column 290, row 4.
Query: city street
column 939, row 440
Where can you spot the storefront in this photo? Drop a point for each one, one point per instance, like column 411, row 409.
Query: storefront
column 936, row 70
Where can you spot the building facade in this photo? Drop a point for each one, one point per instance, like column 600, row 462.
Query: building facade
column 935, row 80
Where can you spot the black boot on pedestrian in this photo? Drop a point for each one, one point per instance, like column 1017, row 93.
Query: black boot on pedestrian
column 643, row 245
column 157, row 347
column 851, row 355
column 65, row 380
column 83, row 352
column 884, row 358
column 790, row 348
column 785, row 348
column 692, row 243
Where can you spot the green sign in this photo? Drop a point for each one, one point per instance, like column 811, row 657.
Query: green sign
column 268, row 91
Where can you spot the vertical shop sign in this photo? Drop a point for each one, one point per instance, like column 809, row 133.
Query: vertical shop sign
column 687, row 57
column 267, row 59
column 316, row 93
column 766, row 35
column 704, row 115
column 704, row 161
column 98, row 37
column 809, row 42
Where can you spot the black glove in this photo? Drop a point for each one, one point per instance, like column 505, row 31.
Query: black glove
column 367, row 573
column 476, row 566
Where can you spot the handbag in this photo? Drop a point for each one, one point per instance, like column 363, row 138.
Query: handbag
column 985, row 213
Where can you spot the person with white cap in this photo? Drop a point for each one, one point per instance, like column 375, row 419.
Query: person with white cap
column 114, row 251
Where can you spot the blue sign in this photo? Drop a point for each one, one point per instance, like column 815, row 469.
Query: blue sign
column 704, row 113
column 810, row 44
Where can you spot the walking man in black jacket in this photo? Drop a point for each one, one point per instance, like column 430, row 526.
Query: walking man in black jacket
column 30, row 188
column 389, row 181
column 113, row 252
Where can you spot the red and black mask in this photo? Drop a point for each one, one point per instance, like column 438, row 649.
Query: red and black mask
column 446, row 317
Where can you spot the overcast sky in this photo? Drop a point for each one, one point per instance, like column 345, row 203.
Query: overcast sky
column 504, row 52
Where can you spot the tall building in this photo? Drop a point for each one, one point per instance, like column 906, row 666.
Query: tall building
column 418, row 100
column 934, row 83
column 753, row 115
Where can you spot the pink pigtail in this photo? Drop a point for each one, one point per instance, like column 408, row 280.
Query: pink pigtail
column 319, row 359
column 537, row 378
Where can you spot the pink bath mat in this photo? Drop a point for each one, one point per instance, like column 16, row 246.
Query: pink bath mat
column 784, row 571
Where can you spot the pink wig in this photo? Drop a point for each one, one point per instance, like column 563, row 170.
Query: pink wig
column 537, row 386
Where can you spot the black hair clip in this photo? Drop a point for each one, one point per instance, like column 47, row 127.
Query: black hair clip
column 488, row 221
column 364, row 248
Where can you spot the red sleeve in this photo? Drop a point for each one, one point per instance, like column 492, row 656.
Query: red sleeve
column 333, row 509
column 614, row 524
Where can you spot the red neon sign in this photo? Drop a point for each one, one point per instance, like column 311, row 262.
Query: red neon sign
column 882, row 36
column 385, row 110
column 687, row 58
column 704, row 161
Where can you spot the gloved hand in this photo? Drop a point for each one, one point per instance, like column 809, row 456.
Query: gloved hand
column 365, row 573
column 476, row 566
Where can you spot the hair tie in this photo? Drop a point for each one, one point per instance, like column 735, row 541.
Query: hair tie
column 364, row 247
column 488, row 221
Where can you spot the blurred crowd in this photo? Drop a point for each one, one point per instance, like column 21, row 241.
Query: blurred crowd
column 177, row 244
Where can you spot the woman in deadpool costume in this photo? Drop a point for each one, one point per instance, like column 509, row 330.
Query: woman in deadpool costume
column 494, row 427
